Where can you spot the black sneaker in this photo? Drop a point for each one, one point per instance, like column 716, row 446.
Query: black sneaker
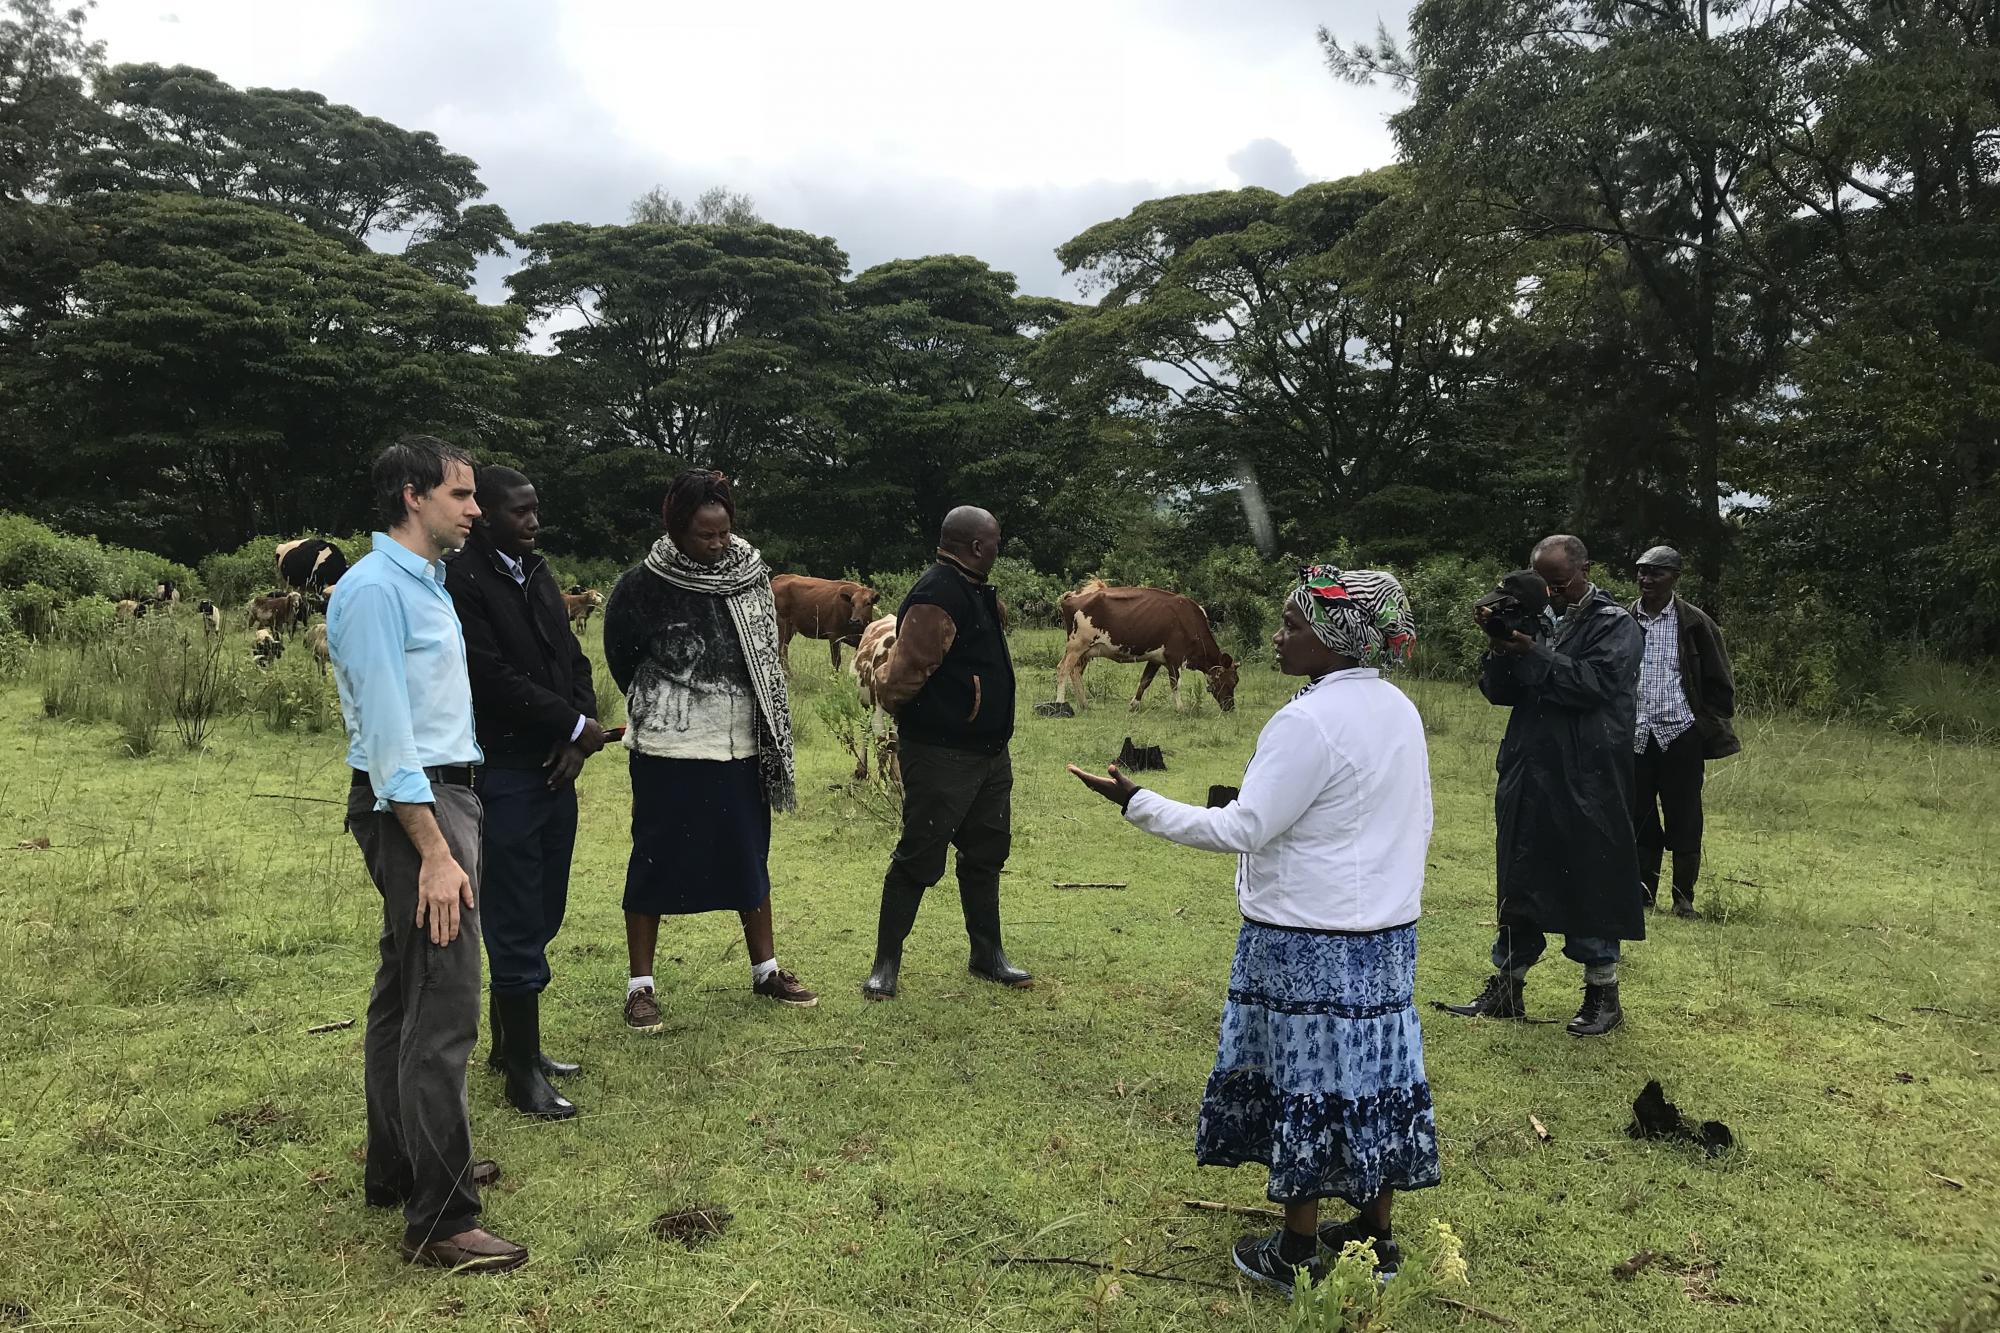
column 1258, row 1258
column 1388, row 1255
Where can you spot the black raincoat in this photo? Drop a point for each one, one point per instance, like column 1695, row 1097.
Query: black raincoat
column 1567, row 860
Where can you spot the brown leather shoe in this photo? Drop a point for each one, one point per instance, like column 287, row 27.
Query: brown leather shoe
column 785, row 988
column 642, row 1011
column 473, row 1251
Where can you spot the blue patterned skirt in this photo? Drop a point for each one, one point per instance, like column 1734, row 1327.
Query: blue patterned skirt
column 1320, row 1071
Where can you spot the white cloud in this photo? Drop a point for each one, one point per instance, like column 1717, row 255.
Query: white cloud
column 899, row 127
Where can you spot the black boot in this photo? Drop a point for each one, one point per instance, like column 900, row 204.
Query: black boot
column 982, row 927
column 1500, row 999
column 1687, row 869
column 1649, row 874
column 528, row 1088
column 1600, row 1012
column 496, row 1060
column 892, row 927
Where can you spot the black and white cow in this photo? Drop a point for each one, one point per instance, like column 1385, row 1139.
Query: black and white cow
column 310, row 565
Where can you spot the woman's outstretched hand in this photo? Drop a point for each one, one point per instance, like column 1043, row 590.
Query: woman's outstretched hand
column 1114, row 786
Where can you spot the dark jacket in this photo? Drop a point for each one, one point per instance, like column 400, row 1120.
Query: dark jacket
column 1706, row 679
column 950, row 680
column 530, row 678
column 1563, row 804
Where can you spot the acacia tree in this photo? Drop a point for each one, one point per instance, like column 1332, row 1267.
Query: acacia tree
column 224, row 371
column 328, row 166
column 1312, row 337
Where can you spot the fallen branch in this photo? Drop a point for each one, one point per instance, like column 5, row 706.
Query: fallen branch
column 287, row 796
column 1933, row 1009
column 1888, row 1022
column 1065, row 1261
column 338, row 1025
column 1236, row 1209
column 1469, row 1308
column 1946, row 1180
column 1541, row 1130
column 1746, row 883
column 1085, row 884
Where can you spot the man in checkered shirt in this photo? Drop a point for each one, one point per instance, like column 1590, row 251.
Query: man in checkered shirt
column 1687, row 699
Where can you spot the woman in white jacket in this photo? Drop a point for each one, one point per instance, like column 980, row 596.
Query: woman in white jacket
column 1320, row 1070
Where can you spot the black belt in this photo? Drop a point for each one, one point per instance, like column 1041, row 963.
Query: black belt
column 451, row 775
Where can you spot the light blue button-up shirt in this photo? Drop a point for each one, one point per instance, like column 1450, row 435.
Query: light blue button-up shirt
column 399, row 661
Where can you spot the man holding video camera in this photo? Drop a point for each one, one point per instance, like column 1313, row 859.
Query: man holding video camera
column 1566, row 858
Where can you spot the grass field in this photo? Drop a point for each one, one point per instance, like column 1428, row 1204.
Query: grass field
column 177, row 1152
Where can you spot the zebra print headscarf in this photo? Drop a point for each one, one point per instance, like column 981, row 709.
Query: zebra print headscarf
column 1359, row 613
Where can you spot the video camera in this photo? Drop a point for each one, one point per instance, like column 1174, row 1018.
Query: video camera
column 1516, row 605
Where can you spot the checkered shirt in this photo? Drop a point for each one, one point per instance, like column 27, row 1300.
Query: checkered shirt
column 1663, row 707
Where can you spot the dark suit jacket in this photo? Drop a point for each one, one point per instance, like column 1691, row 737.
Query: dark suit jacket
column 530, row 678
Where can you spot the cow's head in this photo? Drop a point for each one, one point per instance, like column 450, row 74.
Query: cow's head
column 857, row 608
column 1222, row 683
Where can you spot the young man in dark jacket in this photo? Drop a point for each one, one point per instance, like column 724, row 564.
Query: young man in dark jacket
column 537, row 723
column 950, row 683
column 1687, row 707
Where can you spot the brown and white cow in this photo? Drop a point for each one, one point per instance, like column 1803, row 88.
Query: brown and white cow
column 580, row 603
column 837, row 610
column 1150, row 625
column 130, row 608
column 871, row 655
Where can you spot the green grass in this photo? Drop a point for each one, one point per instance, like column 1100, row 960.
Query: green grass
column 179, row 1153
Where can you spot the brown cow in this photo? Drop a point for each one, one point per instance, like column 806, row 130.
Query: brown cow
column 580, row 604
column 837, row 610
column 878, row 643
column 1150, row 625
column 277, row 612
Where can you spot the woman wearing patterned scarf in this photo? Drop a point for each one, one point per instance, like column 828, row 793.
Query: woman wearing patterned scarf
column 1320, row 1071
column 691, row 636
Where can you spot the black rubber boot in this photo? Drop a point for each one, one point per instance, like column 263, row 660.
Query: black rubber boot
column 497, row 1061
column 528, row 1088
column 982, row 928
column 1687, row 869
column 1600, row 1012
column 1500, row 999
column 892, row 927
column 1649, row 873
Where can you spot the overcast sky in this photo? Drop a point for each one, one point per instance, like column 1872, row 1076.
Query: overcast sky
column 898, row 127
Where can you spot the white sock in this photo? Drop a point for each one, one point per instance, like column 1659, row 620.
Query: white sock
column 637, row 984
column 758, row 971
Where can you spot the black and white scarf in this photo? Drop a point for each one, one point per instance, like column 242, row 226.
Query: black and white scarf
column 742, row 580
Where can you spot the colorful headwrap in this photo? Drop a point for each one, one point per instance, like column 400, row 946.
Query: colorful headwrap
column 1359, row 613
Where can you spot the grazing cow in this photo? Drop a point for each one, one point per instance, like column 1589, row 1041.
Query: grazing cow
column 279, row 611
column 836, row 610
column 1150, row 625
column 266, row 647
column 211, row 617
column 131, row 609
column 316, row 640
column 878, row 641
column 580, row 603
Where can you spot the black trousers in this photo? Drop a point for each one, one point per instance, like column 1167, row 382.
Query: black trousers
column 530, row 838
column 1666, row 812
column 423, row 1016
column 953, row 799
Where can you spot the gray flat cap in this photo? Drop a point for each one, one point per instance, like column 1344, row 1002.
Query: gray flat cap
column 1660, row 557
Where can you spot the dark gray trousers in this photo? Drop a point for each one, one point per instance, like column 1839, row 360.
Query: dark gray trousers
column 953, row 799
column 423, row 1017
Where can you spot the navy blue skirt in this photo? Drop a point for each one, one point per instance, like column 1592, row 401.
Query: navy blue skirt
column 701, row 836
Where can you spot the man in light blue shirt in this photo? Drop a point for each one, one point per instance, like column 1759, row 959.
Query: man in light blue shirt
column 399, row 660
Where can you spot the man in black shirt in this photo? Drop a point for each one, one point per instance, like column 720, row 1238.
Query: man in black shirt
column 536, row 716
column 950, row 683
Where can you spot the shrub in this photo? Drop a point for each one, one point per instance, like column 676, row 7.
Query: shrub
column 894, row 585
column 86, row 620
column 31, row 610
column 15, row 648
column 75, row 567
column 1033, row 599
column 602, row 575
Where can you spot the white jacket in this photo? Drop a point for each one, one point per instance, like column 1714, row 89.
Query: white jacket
column 1334, row 822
